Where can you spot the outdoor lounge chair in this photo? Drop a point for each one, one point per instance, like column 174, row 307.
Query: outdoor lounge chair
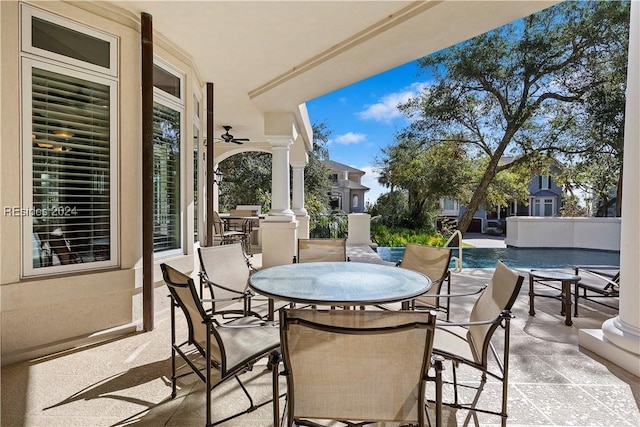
column 321, row 250
column 433, row 262
column 231, row 348
column 598, row 282
column 357, row 366
column 225, row 271
column 469, row 343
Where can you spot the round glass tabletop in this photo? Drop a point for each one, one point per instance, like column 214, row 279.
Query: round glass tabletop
column 339, row 283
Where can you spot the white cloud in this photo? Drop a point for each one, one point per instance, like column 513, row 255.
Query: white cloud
column 349, row 138
column 386, row 109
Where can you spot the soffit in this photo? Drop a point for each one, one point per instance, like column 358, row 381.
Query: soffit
column 267, row 56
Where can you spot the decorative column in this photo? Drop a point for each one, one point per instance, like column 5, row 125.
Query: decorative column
column 619, row 338
column 298, row 199
column 280, row 211
column 279, row 229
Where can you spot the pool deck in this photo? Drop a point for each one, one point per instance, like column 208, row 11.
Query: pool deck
column 126, row 381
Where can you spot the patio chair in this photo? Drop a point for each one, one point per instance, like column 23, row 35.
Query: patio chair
column 321, row 250
column 225, row 272
column 358, row 367
column 231, row 348
column 224, row 236
column 598, row 281
column 433, row 262
column 469, row 343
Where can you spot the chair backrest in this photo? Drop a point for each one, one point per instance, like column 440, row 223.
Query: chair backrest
column 321, row 250
column 431, row 261
column 61, row 247
column 227, row 267
column 353, row 364
column 218, row 228
column 185, row 295
column 499, row 295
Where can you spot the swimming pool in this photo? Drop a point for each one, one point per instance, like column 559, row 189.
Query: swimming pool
column 520, row 257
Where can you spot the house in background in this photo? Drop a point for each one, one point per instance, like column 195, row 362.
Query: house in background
column 545, row 199
column 347, row 193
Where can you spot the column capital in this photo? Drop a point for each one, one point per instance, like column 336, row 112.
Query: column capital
column 280, row 141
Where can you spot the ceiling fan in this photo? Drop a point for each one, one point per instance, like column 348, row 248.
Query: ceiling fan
column 227, row 137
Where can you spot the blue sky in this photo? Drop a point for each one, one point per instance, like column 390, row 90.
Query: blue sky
column 363, row 118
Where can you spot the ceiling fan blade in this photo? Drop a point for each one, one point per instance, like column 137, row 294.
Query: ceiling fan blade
column 237, row 141
column 240, row 139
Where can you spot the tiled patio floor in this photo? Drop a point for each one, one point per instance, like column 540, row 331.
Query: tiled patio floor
column 126, row 381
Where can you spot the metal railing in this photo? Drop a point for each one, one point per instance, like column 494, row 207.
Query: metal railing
column 457, row 260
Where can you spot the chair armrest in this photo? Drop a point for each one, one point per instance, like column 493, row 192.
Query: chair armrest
column 506, row 314
column 262, row 324
column 465, row 294
column 221, row 299
column 243, row 294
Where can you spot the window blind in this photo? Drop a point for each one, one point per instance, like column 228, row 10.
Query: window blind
column 166, row 178
column 71, row 169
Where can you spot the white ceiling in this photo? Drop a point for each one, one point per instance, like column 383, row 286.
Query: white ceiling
column 271, row 56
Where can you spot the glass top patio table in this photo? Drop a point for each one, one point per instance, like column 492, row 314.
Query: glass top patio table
column 339, row 283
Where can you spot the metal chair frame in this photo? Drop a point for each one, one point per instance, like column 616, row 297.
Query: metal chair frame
column 190, row 349
column 480, row 353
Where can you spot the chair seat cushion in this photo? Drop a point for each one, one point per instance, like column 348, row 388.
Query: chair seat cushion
column 243, row 344
column 452, row 340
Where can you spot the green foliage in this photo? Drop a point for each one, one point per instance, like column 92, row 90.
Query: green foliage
column 247, row 181
column 396, row 236
column 426, row 174
column 334, row 225
column 391, row 209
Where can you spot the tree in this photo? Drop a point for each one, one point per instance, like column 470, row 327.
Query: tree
column 426, row 173
column 513, row 90
column 317, row 183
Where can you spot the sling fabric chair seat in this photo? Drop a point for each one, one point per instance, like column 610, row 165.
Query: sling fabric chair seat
column 230, row 349
column 470, row 343
column 433, row 262
column 357, row 366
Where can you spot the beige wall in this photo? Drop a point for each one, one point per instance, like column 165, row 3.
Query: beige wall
column 39, row 314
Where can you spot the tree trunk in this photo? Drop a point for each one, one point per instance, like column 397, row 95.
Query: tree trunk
column 478, row 195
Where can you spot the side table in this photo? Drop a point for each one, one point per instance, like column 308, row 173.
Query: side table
column 545, row 278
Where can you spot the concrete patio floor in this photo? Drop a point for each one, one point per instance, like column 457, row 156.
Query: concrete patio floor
column 126, row 381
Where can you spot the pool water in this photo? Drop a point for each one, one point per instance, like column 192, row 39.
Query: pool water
column 520, row 257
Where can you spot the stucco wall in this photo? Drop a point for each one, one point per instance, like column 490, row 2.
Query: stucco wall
column 584, row 233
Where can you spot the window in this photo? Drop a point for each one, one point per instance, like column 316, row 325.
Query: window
column 196, row 160
column 449, row 205
column 545, row 182
column 542, row 206
column 69, row 216
column 166, row 178
column 354, row 202
column 167, row 148
column 50, row 36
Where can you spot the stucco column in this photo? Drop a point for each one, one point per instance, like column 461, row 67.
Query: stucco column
column 619, row 338
column 280, row 207
column 298, row 199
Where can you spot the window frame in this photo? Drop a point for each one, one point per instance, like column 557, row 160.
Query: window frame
column 28, row 12
column 28, row 270
column 169, row 101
